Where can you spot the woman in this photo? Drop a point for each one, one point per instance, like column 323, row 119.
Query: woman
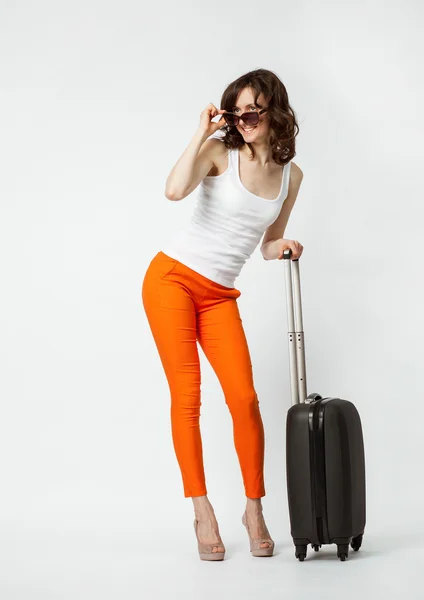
column 248, row 186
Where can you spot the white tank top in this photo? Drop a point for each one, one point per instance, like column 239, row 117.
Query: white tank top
column 226, row 226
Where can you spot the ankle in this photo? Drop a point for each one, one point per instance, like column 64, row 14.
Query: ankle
column 203, row 509
column 201, row 502
column 253, row 505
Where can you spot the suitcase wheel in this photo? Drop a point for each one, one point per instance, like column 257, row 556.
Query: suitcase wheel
column 316, row 547
column 342, row 551
column 357, row 542
column 301, row 552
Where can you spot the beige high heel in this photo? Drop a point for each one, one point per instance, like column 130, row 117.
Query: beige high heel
column 206, row 550
column 255, row 545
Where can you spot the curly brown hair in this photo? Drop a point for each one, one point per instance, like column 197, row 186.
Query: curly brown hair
column 282, row 119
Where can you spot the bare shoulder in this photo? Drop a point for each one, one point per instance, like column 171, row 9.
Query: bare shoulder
column 296, row 176
column 217, row 145
column 218, row 153
column 214, row 147
column 295, row 172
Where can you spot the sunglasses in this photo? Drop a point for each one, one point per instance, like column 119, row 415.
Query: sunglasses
column 249, row 118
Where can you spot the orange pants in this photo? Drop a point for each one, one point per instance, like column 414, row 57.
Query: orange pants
column 183, row 307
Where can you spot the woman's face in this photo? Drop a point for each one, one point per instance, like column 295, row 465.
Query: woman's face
column 246, row 103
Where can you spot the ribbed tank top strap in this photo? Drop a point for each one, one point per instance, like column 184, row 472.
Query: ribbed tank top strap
column 234, row 165
column 231, row 157
column 286, row 182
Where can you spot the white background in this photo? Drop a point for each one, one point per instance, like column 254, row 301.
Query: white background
column 98, row 101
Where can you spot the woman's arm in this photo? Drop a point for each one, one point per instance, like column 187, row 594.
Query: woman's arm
column 193, row 165
column 271, row 242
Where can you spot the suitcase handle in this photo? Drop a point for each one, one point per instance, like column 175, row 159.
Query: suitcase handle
column 295, row 329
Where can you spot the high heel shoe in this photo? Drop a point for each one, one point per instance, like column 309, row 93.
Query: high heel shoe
column 255, row 545
column 206, row 550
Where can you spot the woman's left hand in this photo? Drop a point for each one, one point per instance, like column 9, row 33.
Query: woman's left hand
column 295, row 246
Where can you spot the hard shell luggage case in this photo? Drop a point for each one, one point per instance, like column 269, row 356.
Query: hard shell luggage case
column 325, row 461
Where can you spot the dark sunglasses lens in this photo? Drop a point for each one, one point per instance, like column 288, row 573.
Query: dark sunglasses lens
column 231, row 119
column 251, row 118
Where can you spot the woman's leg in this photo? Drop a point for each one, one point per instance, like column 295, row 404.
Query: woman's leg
column 222, row 338
column 171, row 315
column 170, row 310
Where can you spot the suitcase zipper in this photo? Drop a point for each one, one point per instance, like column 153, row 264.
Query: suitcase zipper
column 317, row 470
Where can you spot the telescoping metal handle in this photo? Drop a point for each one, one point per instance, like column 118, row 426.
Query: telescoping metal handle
column 295, row 329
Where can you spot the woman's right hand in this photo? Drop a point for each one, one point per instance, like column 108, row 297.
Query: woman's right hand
column 208, row 127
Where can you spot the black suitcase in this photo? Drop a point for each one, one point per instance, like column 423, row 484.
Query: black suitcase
column 325, row 461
